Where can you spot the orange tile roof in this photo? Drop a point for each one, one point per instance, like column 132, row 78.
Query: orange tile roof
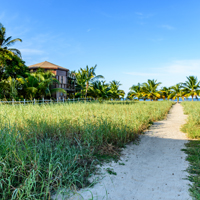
column 46, row 65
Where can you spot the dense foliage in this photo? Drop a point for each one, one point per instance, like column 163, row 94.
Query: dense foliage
column 88, row 84
column 149, row 90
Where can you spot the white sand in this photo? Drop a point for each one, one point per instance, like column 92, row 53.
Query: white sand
column 153, row 170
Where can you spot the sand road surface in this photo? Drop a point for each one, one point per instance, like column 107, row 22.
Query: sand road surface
column 154, row 169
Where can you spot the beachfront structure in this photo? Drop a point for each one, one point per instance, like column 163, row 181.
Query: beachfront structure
column 63, row 75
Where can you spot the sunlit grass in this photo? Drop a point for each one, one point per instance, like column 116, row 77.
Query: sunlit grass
column 44, row 148
column 192, row 128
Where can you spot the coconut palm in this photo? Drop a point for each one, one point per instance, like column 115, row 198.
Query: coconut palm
column 177, row 92
column 165, row 92
column 5, row 43
column 115, row 93
column 135, row 91
column 150, row 91
column 99, row 89
column 80, row 82
column 191, row 87
column 89, row 75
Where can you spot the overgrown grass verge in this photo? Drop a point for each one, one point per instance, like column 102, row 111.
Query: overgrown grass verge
column 192, row 128
column 193, row 156
column 45, row 148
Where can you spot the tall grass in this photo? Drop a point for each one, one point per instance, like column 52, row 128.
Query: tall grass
column 192, row 128
column 44, row 148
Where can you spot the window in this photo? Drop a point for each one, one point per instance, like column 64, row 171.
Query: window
column 61, row 80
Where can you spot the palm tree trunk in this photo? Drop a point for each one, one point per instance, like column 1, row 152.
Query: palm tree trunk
column 86, row 90
column 192, row 97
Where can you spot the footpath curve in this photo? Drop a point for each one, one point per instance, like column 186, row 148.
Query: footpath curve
column 153, row 170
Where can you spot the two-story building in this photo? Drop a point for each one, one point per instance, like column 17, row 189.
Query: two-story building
column 63, row 75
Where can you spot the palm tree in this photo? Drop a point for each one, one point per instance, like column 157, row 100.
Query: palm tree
column 135, row 91
column 99, row 89
column 39, row 84
column 165, row 92
column 149, row 90
column 115, row 93
column 5, row 43
column 191, row 87
column 177, row 92
column 88, row 75
column 80, row 82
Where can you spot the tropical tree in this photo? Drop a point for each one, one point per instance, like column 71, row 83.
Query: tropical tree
column 115, row 92
column 99, row 89
column 5, row 43
column 191, row 87
column 135, row 91
column 165, row 92
column 177, row 92
column 150, row 90
column 9, row 88
column 11, row 63
column 80, row 83
column 13, row 68
column 39, row 84
column 85, row 77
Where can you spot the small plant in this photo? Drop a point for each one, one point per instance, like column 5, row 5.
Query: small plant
column 121, row 163
column 111, row 171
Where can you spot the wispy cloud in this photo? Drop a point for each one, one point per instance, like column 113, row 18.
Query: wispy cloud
column 159, row 39
column 183, row 67
column 176, row 68
column 89, row 30
column 141, row 74
column 31, row 52
column 168, row 27
column 141, row 15
column 2, row 15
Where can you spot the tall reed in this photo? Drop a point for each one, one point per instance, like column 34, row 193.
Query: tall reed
column 44, row 148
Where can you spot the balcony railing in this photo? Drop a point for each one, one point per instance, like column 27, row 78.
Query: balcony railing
column 64, row 86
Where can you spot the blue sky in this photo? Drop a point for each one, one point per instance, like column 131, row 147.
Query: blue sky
column 130, row 40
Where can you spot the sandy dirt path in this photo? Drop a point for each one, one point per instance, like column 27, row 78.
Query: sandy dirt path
column 153, row 170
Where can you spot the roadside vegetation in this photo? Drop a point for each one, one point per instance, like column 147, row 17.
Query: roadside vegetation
column 192, row 128
column 45, row 148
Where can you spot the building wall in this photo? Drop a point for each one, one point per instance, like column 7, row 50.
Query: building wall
column 61, row 73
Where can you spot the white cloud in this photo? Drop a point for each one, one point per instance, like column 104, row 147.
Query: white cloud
column 138, row 13
column 168, row 27
column 157, row 39
column 89, row 30
column 183, row 67
column 31, row 51
column 2, row 15
column 141, row 15
column 141, row 74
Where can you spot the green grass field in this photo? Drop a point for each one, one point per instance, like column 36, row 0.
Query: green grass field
column 44, row 148
column 192, row 128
